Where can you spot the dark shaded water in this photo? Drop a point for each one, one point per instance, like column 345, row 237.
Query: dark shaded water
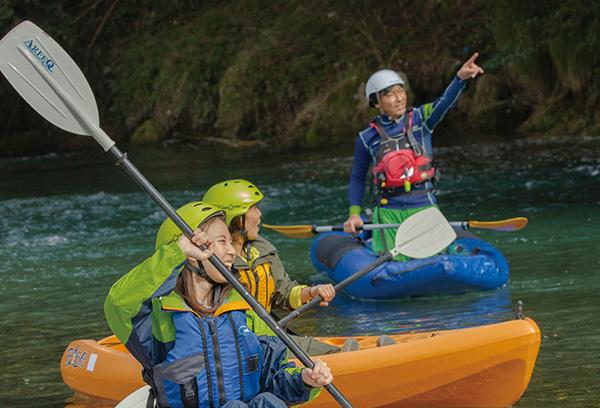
column 70, row 225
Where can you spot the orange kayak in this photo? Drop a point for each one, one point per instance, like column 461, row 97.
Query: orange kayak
column 486, row 366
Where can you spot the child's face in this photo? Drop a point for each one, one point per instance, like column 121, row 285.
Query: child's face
column 218, row 233
column 392, row 101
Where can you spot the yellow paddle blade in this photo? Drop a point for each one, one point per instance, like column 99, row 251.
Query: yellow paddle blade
column 512, row 224
column 292, row 231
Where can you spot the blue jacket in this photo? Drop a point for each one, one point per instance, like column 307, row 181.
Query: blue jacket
column 425, row 118
column 191, row 359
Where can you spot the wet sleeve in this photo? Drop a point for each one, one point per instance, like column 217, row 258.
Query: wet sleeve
column 434, row 112
column 358, row 176
column 280, row 376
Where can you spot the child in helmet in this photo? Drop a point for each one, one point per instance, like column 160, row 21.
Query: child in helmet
column 257, row 261
column 397, row 145
column 192, row 334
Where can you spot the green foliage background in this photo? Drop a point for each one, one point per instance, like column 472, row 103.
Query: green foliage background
column 286, row 75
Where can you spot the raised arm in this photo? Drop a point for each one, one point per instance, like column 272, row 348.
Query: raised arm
column 434, row 112
column 129, row 301
column 130, row 298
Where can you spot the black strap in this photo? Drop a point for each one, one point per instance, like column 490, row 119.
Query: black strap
column 247, row 247
column 381, row 129
column 407, row 120
column 408, row 132
column 393, row 192
column 148, row 378
column 188, row 393
column 201, row 272
column 217, row 294
column 150, row 400
column 415, row 146
column 243, row 231
column 383, row 134
column 238, row 354
column 205, row 354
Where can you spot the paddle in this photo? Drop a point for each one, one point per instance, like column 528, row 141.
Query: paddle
column 421, row 235
column 137, row 399
column 509, row 225
column 307, row 231
column 52, row 83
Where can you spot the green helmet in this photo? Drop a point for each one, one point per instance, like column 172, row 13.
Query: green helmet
column 194, row 214
column 234, row 196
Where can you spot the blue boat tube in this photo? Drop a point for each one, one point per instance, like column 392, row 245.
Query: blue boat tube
column 469, row 264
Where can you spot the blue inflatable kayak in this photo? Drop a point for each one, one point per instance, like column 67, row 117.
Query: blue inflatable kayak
column 470, row 264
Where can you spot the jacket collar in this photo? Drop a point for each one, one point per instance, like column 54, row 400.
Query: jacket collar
column 386, row 120
column 174, row 302
column 259, row 251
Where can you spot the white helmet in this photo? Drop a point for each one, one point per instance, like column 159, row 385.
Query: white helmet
column 379, row 81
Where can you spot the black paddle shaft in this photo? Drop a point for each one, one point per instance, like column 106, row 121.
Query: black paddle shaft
column 123, row 161
column 350, row 279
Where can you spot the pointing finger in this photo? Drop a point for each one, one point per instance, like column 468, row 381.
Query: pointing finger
column 473, row 58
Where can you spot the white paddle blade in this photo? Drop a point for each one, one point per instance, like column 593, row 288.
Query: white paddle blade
column 35, row 65
column 424, row 234
column 136, row 399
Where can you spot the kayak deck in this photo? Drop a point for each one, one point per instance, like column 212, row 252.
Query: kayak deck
column 486, row 366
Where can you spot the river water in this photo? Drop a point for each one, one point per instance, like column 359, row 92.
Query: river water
column 71, row 224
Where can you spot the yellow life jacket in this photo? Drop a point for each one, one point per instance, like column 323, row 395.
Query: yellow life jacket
column 260, row 283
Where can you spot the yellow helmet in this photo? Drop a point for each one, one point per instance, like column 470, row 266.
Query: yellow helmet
column 194, row 214
column 235, row 197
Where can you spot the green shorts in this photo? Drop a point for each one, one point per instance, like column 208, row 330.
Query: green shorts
column 385, row 239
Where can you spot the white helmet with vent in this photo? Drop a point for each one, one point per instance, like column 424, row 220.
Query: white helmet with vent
column 379, row 81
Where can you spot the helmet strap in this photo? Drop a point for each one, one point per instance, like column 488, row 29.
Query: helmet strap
column 201, row 272
column 381, row 111
column 246, row 249
column 217, row 294
column 247, row 245
column 243, row 231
